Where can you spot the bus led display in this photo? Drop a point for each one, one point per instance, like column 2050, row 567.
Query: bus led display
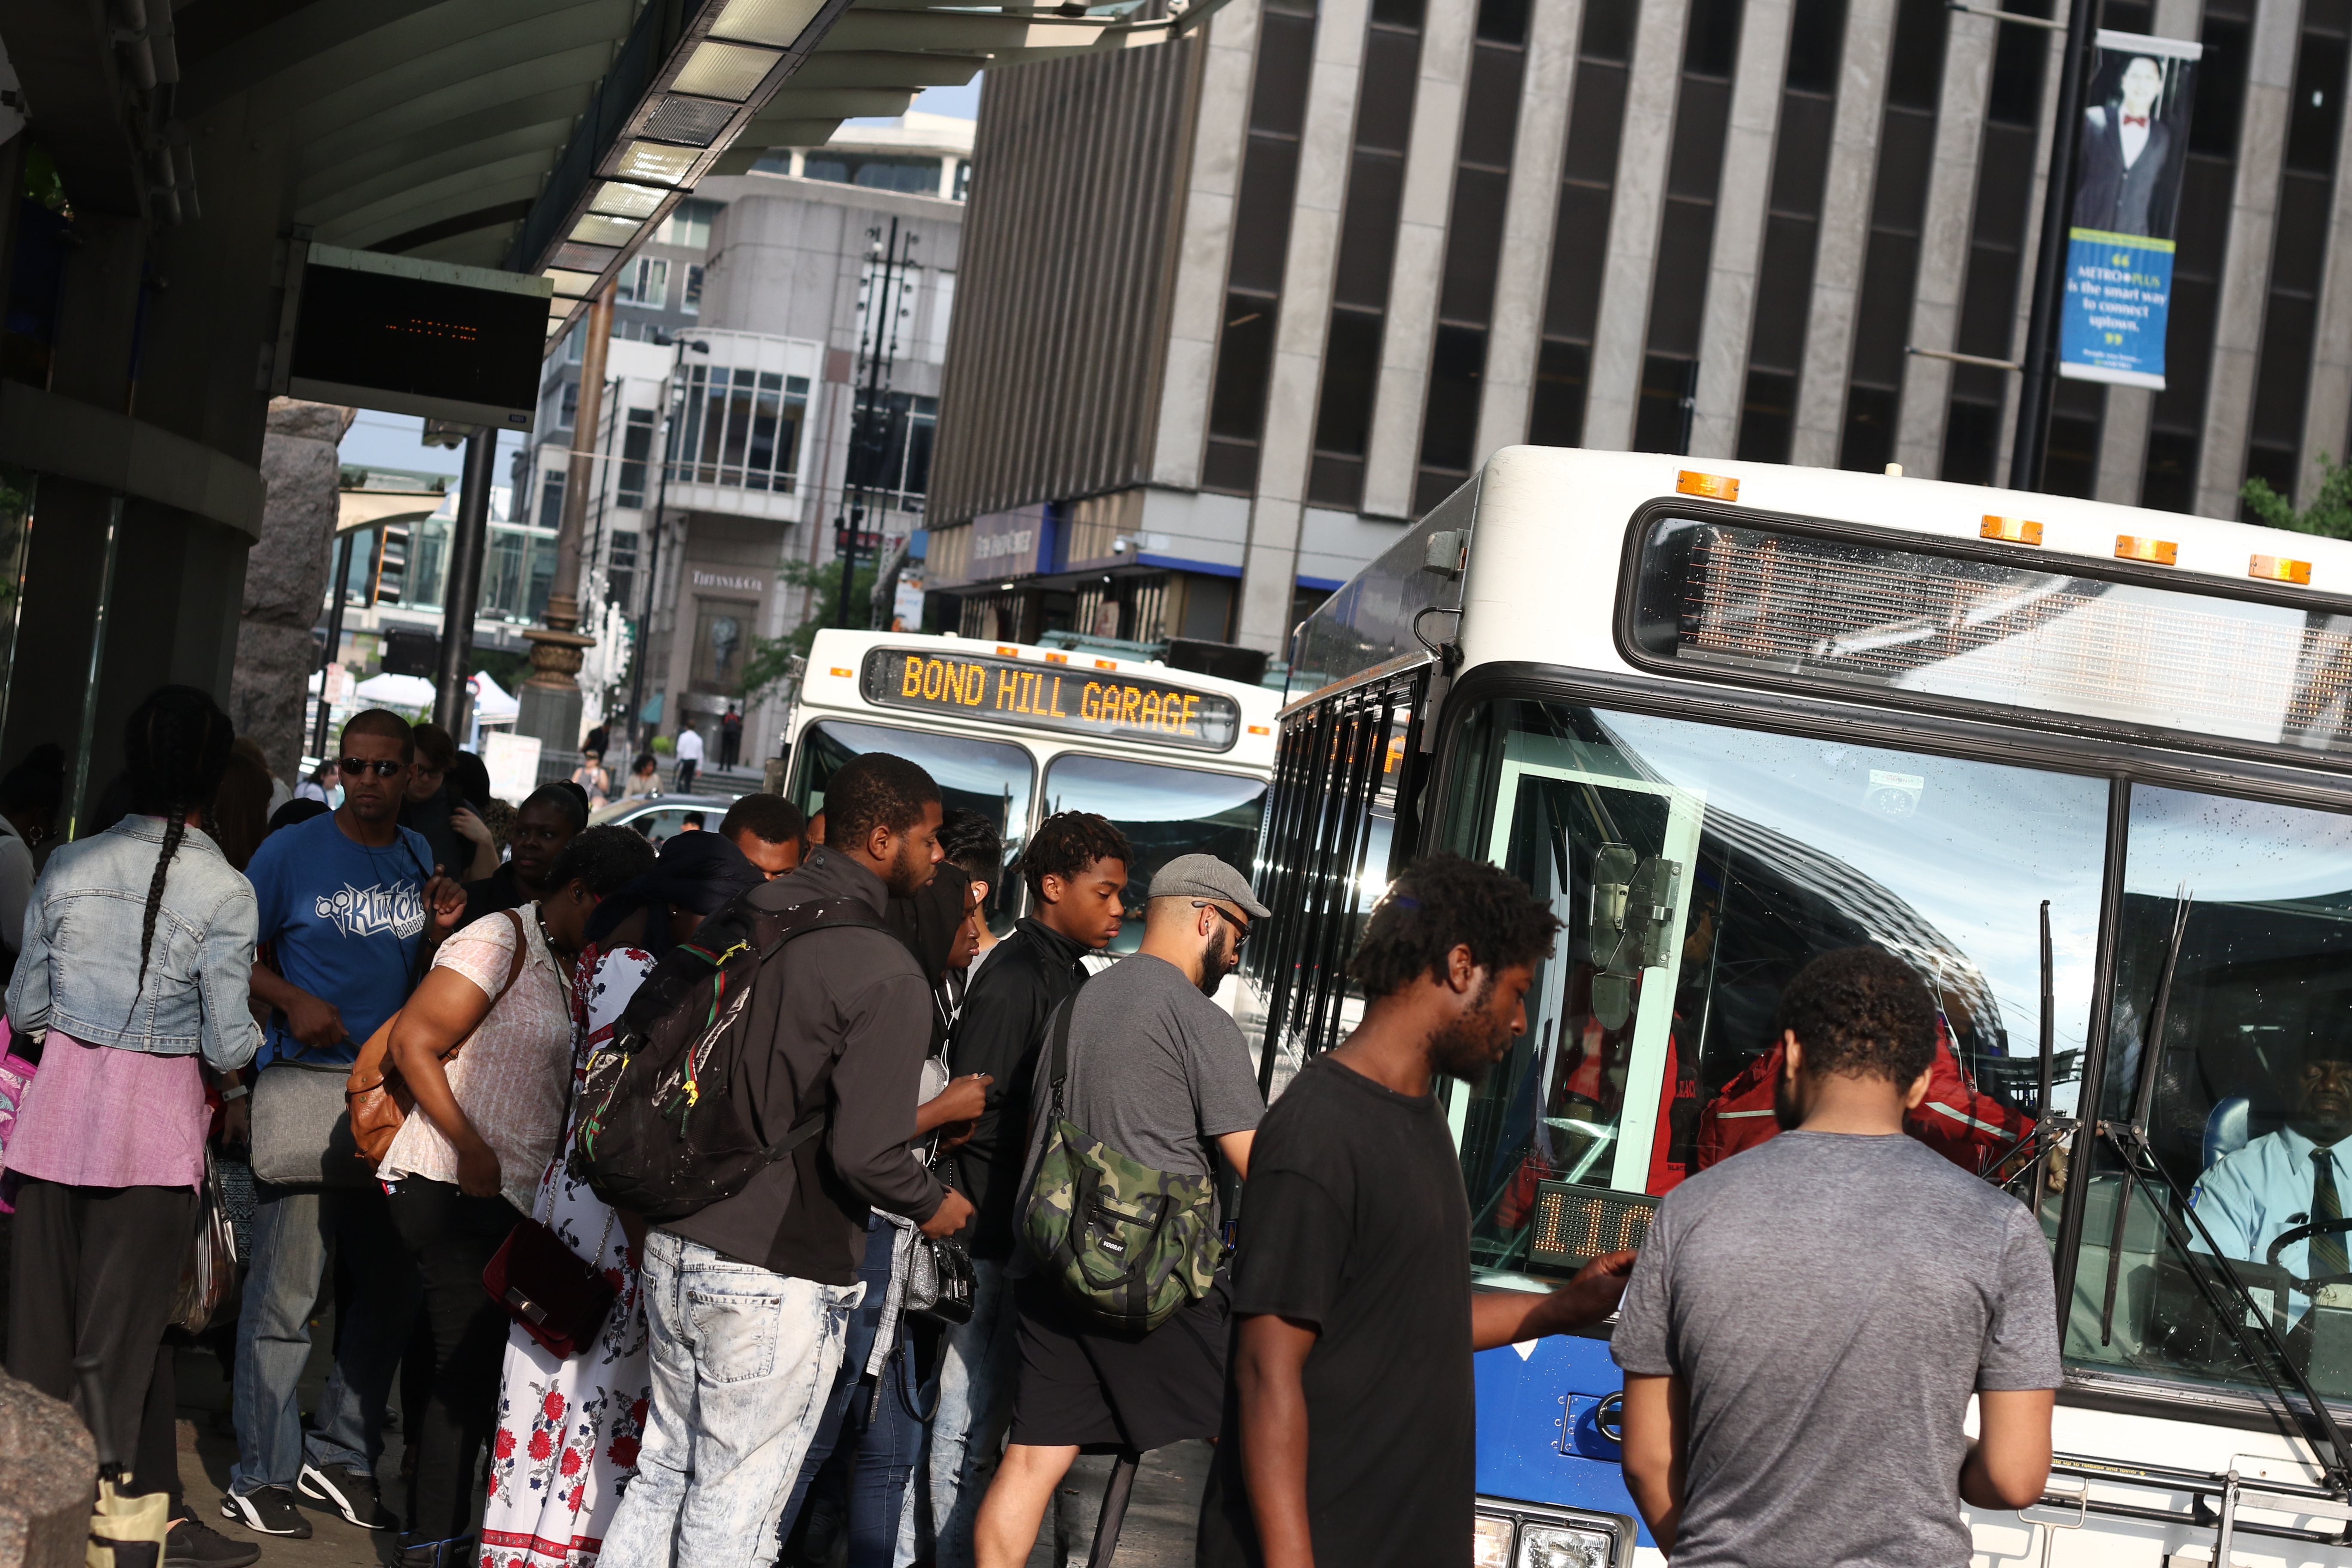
column 1048, row 696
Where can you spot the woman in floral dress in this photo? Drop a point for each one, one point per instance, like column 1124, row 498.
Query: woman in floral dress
column 566, row 1444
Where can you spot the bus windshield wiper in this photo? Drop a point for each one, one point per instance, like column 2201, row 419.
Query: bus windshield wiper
column 2151, row 1060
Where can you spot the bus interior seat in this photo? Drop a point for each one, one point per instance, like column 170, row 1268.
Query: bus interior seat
column 2227, row 1129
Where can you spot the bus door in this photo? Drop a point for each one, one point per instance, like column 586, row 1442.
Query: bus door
column 1613, row 854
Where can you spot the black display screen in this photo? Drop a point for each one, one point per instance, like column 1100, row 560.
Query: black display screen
column 420, row 339
column 1071, row 698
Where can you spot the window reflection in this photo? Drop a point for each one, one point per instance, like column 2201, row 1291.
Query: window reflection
column 987, row 776
column 1695, row 869
column 1164, row 812
column 2249, row 1092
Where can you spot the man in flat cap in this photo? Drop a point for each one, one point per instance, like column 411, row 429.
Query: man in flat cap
column 1161, row 1073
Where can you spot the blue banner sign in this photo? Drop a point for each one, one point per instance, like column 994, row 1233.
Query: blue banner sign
column 2118, row 291
column 2130, row 147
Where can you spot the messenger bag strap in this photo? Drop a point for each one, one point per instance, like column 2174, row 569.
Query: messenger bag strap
column 1061, row 1068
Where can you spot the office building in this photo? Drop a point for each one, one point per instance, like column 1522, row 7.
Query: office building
column 1238, row 309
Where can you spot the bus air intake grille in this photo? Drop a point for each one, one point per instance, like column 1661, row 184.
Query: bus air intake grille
column 1574, row 1225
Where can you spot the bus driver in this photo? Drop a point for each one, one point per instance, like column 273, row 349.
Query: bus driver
column 2295, row 1177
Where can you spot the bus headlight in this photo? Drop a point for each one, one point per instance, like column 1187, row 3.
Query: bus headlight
column 1555, row 1546
column 1490, row 1541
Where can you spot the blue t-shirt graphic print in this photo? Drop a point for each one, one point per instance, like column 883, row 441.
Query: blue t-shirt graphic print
column 343, row 921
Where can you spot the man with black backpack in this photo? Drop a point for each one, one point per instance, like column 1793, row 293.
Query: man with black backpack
column 746, row 1297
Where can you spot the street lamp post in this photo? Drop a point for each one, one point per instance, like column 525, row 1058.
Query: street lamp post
column 550, row 706
column 2034, row 389
column 673, row 411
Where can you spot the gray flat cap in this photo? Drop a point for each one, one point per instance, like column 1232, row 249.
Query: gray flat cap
column 1206, row 877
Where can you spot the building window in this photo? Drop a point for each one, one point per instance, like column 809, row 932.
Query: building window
column 621, row 570
column 722, row 630
column 962, row 179
column 570, row 408
column 636, row 447
column 550, row 500
column 739, row 427
column 1359, row 294
column 645, row 281
column 1784, row 278
column 1580, row 231
column 896, row 461
column 875, row 171
column 517, row 569
column 689, row 224
column 942, row 311
column 692, row 301
column 1260, row 242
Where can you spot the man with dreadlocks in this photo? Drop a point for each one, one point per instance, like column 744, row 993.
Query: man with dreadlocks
column 351, row 905
column 110, row 1144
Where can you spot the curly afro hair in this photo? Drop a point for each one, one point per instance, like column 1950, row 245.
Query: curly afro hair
column 1065, row 844
column 1442, row 902
column 1860, row 1012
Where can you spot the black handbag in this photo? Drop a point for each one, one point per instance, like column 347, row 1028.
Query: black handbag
column 941, row 1286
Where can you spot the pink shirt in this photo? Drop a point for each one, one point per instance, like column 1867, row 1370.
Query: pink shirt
column 99, row 1115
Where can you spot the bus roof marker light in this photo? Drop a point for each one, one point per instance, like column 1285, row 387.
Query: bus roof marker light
column 1057, row 658
column 1714, row 486
column 2135, row 547
column 1105, row 664
column 1003, row 652
column 2013, row 530
column 2279, row 569
column 840, row 672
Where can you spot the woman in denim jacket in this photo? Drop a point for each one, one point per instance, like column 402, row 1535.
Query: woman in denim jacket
column 109, row 1145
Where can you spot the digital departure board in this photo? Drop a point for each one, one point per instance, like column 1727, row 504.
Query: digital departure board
column 462, row 343
column 1069, row 698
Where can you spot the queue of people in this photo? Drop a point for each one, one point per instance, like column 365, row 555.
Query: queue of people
column 877, row 1311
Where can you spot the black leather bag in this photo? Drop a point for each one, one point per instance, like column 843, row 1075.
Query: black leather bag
column 941, row 1286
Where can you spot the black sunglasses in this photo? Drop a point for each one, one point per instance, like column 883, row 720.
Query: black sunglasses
column 1241, row 928
column 384, row 768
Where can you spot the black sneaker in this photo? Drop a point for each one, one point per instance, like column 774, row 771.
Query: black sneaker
column 271, row 1510
column 349, row 1492
column 192, row 1544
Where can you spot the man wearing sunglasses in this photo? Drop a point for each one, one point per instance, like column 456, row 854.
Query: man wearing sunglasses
column 351, row 905
column 1161, row 1073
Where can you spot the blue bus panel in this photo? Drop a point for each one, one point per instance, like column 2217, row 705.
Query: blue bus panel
column 1537, row 1439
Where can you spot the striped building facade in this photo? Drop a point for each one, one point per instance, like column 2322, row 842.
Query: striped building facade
column 1234, row 310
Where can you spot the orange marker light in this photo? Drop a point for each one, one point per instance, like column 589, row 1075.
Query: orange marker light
column 2132, row 547
column 1261, row 730
column 1105, row 664
column 2279, row 569
column 841, row 672
column 1057, row 658
column 1715, row 487
column 2015, row 529
column 1003, row 652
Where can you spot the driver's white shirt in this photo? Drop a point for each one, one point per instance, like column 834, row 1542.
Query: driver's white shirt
column 2251, row 1198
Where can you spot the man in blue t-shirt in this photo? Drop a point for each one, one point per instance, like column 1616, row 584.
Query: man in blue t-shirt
column 351, row 906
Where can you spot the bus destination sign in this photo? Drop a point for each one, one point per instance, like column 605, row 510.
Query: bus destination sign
column 1064, row 697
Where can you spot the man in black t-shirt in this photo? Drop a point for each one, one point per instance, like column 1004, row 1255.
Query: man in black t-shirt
column 1350, row 1437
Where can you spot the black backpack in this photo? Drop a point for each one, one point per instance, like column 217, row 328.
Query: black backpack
column 665, row 1133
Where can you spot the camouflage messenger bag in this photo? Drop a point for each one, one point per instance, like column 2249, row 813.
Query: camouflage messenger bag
column 1129, row 1245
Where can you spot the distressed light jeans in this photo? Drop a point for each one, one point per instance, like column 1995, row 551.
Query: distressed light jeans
column 743, row 1361
column 978, row 1364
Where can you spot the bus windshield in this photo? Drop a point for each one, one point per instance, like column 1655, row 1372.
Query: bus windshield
column 1695, row 869
column 1164, row 812
column 992, row 777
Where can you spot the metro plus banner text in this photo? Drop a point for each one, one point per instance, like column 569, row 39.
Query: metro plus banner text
column 2133, row 141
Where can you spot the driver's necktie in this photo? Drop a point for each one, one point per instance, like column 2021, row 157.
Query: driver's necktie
column 2328, row 1254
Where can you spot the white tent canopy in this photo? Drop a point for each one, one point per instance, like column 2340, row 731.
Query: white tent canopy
column 492, row 702
column 396, row 690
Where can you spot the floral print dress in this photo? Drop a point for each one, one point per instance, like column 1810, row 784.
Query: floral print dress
column 566, row 1445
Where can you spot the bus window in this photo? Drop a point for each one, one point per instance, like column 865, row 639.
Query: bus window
column 1164, row 812
column 990, row 777
column 1695, row 869
column 2250, row 1102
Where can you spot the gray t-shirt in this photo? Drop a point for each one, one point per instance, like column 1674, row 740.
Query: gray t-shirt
column 1157, row 1072
column 1830, row 1301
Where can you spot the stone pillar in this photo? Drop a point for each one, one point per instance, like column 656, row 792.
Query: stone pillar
column 48, row 1470
column 286, row 579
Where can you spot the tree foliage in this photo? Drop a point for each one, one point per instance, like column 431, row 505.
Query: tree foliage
column 2329, row 515
column 772, row 660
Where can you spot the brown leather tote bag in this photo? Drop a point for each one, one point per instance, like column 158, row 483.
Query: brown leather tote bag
column 378, row 1101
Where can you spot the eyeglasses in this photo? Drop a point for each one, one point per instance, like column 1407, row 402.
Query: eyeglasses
column 356, row 766
column 1241, row 928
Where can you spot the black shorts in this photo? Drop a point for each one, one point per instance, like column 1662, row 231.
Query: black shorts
column 1106, row 1391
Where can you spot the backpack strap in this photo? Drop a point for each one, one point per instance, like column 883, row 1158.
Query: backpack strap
column 799, row 920
column 1061, row 1066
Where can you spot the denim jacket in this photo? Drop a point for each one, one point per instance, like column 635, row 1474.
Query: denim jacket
column 79, row 968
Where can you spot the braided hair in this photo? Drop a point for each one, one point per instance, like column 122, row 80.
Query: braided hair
column 177, row 746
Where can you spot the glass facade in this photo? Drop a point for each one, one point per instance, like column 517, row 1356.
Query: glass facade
column 739, row 427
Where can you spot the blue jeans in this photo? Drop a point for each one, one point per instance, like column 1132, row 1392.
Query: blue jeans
column 743, row 1360
column 293, row 1231
column 978, row 1362
column 882, row 1450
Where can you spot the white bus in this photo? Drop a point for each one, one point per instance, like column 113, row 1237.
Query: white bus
column 1727, row 716
column 1178, row 761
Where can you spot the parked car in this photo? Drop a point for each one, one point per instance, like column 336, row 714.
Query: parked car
column 659, row 816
